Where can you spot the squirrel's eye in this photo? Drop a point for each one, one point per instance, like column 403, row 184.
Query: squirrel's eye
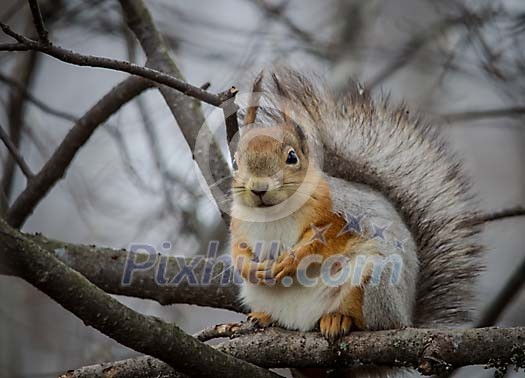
column 292, row 158
column 234, row 164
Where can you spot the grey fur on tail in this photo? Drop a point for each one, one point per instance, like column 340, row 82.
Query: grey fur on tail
column 406, row 160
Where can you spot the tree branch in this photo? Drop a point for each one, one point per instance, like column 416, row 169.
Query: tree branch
column 474, row 115
column 23, row 91
column 15, row 154
column 106, row 267
column 68, row 56
column 504, row 297
column 421, row 40
column 140, row 367
column 38, row 21
column 430, row 351
column 186, row 111
column 56, row 166
column 145, row 334
column 516, row 211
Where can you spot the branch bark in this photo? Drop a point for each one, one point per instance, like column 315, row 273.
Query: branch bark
column 430, row 351
column 141, row 367
column 106, row 267
column 145, row 334
column 56, row 166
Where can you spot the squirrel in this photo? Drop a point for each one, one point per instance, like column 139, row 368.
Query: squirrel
column 324, row 185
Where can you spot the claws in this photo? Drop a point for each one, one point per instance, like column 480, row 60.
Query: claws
column 334, row 326
column 260, row 319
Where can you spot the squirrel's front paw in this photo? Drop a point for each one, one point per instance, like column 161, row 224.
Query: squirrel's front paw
column 335, row 325
column 260, row 319
column 285, row 266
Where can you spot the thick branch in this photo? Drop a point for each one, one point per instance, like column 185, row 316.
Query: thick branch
column 146, row 334
column 56, row 166
column 431, row 351
column 106, row 267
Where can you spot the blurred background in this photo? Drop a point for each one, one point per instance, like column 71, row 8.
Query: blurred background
column 462, row 63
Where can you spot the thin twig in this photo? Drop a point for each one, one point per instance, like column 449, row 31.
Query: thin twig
column 35, row 101
column 68, row 56
column 474, row 115
column 16, row 154
column 494, row 310
column 38, row 20
column 517, row 211
column 421, row 40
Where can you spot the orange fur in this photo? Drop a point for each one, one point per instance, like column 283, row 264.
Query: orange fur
column 320, row 228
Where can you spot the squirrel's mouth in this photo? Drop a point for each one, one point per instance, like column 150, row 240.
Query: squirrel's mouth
column 262, row 204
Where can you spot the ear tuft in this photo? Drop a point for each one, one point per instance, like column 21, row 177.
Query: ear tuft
column 302, row 137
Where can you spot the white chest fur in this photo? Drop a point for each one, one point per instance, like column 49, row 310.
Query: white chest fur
column 295, row 307
column 269, row 238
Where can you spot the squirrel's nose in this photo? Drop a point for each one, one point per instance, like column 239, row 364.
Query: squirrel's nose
column 259, row 193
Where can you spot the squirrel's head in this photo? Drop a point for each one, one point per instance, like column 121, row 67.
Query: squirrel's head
column 270, row 165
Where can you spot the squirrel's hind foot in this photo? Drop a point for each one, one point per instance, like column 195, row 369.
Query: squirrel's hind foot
column 260, row 319
column 335, row 325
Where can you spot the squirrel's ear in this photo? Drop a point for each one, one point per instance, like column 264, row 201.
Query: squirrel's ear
column 302, row 138
column 251, row 113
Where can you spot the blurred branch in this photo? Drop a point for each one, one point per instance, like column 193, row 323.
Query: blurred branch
column 146, row 334
column 186, row 111
column 516, row 211
column 15, row 154
column 35, row 101
column 430, row 351
column 504, row 298
column 512, row 112
column 24, row 70
column 55, row 168
column 38, row 21
column 68, row 56
column 106, row 268
column 422, row 39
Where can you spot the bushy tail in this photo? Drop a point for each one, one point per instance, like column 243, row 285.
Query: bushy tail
column 404, row 158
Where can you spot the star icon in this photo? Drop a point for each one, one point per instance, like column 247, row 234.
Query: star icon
column 379, row 232
column 319, row 233
column 353, row 223
column 400, row 244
